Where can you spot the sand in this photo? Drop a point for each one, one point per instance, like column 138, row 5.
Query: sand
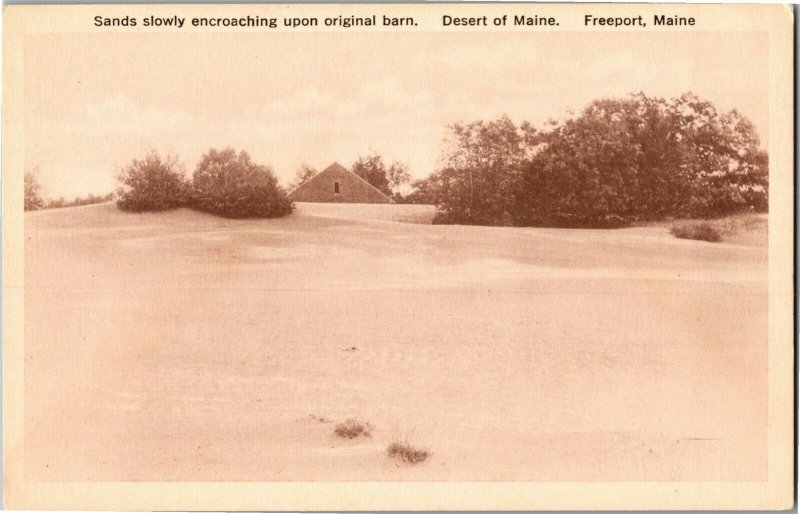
column 180, row 346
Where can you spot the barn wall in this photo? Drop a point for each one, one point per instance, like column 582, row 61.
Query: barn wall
column 351, row 189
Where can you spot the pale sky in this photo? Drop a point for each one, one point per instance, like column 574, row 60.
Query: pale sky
column 93, row 102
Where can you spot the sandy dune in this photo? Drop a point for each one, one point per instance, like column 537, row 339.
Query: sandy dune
column 180, row 346
column 373, row 211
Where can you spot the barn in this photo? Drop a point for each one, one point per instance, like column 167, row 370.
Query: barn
column 337, row 184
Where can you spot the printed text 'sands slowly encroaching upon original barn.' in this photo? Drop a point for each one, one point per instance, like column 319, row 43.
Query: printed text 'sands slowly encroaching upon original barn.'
column 337, row 184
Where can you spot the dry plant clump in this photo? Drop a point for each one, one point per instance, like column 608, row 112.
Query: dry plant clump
column 407, row 453
column 351, row 428
column 716, row 230
column 700, row 231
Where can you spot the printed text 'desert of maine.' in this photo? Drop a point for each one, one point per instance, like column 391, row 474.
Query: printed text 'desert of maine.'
column 499, row 21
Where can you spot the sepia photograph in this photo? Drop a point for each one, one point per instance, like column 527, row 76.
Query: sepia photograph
column 365, row 248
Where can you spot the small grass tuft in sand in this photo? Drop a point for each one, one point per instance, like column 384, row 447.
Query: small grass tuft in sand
column 700, row 231
column 406, row 453
column 352, row 428
column 319, row 419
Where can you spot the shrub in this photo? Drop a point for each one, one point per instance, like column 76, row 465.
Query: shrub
column 154, row 183
column 232, row 186
column 352, row 428
column 407, row 453
column 703, row 231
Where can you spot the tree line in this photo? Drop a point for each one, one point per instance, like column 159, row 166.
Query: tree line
column 619, row 161
column 225, row 182
column 35, row 200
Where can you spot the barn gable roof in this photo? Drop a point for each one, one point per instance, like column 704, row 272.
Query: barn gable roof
column 336, row 167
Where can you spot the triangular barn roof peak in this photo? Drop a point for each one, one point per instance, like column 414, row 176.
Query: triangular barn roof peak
column 335, row 166
column 337, row 184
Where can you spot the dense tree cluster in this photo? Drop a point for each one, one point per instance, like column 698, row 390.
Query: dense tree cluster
column 224, row 183
column 618, row 161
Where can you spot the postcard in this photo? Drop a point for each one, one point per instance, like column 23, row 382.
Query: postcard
column 336, row 257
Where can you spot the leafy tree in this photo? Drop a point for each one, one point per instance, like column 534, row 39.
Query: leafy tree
column 154, row 183
column 373, row 170
column 424, row 191
column 231, row 185
column 398, row 176
column 724, row 159
column 586, row 173
column 482, row 172
column 33, row 193
column 387, row 179
column 303, row 175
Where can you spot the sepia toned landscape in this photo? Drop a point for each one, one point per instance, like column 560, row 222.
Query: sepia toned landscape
column 183, row 346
